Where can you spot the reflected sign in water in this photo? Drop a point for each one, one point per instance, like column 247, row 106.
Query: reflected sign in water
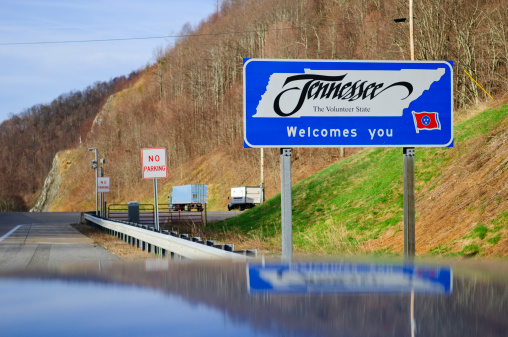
column 348, row 278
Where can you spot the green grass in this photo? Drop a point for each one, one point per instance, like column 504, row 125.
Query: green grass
column 480, row 124
column 359, row 198
column 440, row 250
column 483, row 236
column 479, row 231
column 494, row 240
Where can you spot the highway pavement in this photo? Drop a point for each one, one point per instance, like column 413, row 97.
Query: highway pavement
column 45, row 241
column 214, row 216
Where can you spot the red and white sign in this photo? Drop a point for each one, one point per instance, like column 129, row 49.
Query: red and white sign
column 103, row 184
column 154, row 163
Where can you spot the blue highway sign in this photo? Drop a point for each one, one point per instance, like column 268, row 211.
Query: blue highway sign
column 326, row 103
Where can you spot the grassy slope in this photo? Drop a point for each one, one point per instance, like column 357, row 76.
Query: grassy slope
column 344, row 207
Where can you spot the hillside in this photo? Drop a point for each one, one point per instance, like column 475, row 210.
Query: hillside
column 30, row 140
column 355, row 206
column 190, row 101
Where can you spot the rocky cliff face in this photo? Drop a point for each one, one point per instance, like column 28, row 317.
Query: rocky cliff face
column 51, row 186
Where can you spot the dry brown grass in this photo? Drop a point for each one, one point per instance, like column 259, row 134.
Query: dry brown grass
column 113, row 244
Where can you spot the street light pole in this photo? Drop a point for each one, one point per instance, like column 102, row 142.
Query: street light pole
column 94, row 167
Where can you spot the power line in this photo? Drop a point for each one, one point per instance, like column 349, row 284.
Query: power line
column 194, row 35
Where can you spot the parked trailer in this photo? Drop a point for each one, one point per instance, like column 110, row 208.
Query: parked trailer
column 244, row 197
column 189, row 197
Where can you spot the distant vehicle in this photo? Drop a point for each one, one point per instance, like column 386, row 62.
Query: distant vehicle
column 244, row 197
column 189, row 197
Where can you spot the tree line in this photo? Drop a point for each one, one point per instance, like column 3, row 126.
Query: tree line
column 190, row 99
column 29, row 140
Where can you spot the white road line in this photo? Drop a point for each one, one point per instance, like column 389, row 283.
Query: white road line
column 12, row 231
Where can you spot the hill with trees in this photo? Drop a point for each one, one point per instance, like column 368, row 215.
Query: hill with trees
column 30, row 140
column 190, row 100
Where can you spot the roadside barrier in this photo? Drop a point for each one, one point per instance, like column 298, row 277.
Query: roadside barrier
column 168, row 243
column 147, row 214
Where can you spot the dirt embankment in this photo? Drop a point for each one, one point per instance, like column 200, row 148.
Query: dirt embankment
column 471, row 192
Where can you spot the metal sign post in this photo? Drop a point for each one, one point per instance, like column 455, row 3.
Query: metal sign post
column 409, row 201
column 286, row 205
column 155, row 198
column 101, row 213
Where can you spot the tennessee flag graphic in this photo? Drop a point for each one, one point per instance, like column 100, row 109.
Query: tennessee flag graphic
column 426, row 121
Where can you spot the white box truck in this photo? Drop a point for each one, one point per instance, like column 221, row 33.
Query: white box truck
column 189, row 197
column 244, row 197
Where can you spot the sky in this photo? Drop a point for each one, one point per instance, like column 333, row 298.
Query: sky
column 33, row 71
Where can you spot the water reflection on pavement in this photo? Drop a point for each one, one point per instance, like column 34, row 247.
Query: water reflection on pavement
column 164, row 297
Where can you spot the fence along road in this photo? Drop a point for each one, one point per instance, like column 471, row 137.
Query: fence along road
column 45, row 240
column 147, row 214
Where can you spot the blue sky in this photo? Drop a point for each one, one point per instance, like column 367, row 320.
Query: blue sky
column 38, row 73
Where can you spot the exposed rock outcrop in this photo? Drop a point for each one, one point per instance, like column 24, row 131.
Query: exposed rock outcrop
column 51, row 186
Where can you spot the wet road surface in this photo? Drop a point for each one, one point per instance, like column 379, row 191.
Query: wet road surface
column 45, row 240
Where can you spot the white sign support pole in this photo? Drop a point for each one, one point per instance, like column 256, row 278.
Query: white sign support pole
column 286, row 206
column 96, row 185
column 262, row 195
column 101, row 210
column 157, row 229
column 409, row 201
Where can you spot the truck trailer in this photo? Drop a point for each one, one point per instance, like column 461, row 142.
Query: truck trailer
column 189, row 197
column 244, row 197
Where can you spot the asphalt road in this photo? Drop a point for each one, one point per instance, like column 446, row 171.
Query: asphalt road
column 45, row 241
column 214, row 216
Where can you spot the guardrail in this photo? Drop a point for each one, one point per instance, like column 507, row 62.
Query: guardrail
column 144, row 237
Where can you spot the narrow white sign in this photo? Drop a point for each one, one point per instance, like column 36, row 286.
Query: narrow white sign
column 103, row 184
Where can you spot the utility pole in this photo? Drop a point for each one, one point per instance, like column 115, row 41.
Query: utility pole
column 95, row 167
column 411, row 40
column 408, row 157
column 409, row 192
